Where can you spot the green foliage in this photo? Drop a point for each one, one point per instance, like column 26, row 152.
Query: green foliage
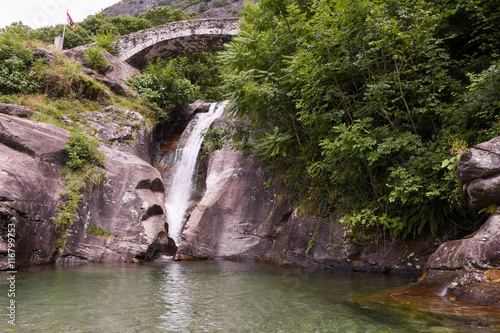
column 480, row 110
column 361, row 107
column 106, row 40
column 82, row 171
column 314, row 238
column 202, row 70
column 16, row 66
column 83, row 150
column 63, row 78
column 94, row 58
column 166, row 14
column 163, row 84
column 220, row 3
column 98, row 231
column 491, row 209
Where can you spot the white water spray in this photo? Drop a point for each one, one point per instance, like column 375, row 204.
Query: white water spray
column 178, row 191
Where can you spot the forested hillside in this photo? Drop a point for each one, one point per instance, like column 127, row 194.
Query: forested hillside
column 204, row 8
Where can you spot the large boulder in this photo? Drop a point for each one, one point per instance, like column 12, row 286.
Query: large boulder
column 197, row 106
column 479, row 171
column 118, row 70
column 16, row 110
column 43, row 141
column 31, row 155
column 467, row 270
column 479, row 251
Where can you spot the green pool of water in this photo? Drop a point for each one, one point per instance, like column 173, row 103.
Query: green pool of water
column 211, row 296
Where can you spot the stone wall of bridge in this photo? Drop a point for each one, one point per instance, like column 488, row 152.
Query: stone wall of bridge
column 175, row 38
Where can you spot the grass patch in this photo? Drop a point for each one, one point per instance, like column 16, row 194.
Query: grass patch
column 98, row 231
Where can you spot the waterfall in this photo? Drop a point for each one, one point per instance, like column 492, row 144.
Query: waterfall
column 182, row 178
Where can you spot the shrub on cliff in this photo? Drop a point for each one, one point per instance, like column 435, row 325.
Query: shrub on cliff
column 164, row 85
column 83, row 170
column 94, row 58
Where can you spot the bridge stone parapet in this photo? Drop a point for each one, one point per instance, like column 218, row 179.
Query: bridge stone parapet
column 175, row 38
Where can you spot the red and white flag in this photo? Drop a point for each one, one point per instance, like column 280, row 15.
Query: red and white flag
column 70, row 20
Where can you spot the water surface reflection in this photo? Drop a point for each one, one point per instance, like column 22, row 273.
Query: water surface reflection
column 212, row 296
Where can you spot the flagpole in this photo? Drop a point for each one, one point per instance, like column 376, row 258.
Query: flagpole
column 64, row 30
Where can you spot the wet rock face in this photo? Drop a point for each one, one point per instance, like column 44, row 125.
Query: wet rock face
column 196, row 107
column 238, row 218
column 235, row 204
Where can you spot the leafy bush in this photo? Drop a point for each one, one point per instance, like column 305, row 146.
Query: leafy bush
column 94, row 58
column 166, row 14
column 202, row 70
column 106, row 40
column 164, row 85
column 82, row 150
column 16, row 66
column 220, row 3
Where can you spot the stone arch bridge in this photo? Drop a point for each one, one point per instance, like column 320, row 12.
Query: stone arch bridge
column 175, row 38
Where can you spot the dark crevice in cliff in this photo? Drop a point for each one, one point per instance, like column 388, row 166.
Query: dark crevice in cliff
column 153, row 185
column 153, row 210
column 163, row 245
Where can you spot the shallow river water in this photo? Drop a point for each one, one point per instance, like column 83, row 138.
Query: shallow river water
column 209, row 296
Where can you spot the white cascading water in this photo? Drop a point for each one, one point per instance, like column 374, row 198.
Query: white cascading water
column 178, row 191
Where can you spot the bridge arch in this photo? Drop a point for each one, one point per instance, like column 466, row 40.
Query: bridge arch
column 141, row 47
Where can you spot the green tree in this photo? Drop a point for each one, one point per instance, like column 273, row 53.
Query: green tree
column 167, row 14
column 106, row 40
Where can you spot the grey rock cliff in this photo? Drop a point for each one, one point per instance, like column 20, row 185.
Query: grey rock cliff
column 31, row 154
column 129, row 204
